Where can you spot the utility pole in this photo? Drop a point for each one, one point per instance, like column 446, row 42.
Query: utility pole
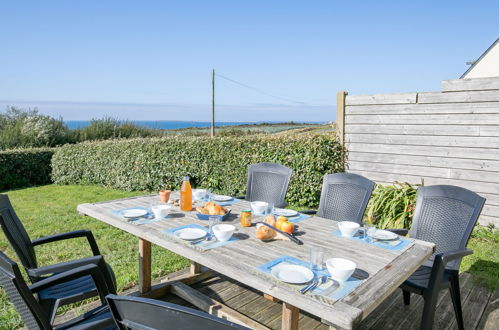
column 212, row 131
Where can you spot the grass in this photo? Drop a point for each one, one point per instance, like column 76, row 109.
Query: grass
column 52, row 209
column 483, row 264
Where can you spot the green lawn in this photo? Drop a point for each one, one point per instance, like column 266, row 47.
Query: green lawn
column 52, row 209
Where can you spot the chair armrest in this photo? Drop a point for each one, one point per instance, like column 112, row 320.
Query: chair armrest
column 452, row 255
column 63, row 266
column 240, row 197
column 92, row 270
column 36, row 273
column 72, row 234
column 401, row 232
column 440, row 262
column 309, row 212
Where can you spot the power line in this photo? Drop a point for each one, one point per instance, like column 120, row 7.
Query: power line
column 259, row 90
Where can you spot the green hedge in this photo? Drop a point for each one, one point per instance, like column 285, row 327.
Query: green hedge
column 25, row 167
column 219, row 163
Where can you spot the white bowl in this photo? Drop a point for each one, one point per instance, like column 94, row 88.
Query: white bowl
column 340, row 269
column 198, row 194
column 348, row 228
column 259, row 207
column 161, row 211
column 223, row 232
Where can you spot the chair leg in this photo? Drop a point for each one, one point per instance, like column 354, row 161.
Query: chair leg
column 456, row 300
column 407, row 297
column 430, row 303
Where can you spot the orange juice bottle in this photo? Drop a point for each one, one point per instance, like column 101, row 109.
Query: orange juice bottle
column 186, row 195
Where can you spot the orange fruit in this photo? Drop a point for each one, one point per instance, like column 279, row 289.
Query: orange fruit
column 287, row 227
column 279, row 223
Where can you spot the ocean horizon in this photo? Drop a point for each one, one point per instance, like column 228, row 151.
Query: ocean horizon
column 172, row 124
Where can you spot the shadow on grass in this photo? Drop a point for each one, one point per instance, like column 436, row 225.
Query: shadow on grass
column 485, row 273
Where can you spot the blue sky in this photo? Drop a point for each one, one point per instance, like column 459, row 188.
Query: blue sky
column 152, row 60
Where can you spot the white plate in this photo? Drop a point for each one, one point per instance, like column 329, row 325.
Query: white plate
column 285, row 212
column 134, row 213
column 221, row 198
column 384, row 235
column 190, row 234
column 293, row 274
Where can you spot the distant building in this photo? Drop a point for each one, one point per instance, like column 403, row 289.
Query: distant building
column 487, row 64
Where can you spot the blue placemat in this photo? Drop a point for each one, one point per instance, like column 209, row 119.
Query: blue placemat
column 298, row 218
column 294, row 219
column 403, row 242
column 203, row 245
column 148, row 218
column 332, row 292
column 226, row 203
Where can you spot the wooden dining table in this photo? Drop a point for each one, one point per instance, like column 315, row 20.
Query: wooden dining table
column 383, row 270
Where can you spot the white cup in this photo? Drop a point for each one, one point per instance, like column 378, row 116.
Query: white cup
column 161, row 211
column 223, row 232
column 348, row 228
column 340, row 269
column 259, row 207
column 198, row 194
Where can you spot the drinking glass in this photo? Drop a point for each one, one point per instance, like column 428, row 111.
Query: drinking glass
column 207, row 196
column 316, row 258
column 212, row 220
column 269, row 209
column 369, row 230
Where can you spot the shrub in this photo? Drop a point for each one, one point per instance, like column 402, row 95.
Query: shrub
column 26, row 167
column 392, row 206
column 218, row 163
column 27, row 128
column 109, row 128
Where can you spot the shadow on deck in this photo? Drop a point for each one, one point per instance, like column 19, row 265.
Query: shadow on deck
column 480, row 307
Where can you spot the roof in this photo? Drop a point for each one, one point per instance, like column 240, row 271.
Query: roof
column 480, row 58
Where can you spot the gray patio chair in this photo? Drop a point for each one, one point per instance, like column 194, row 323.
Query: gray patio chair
column 65, row 293
column 35, row 315
column 344, row 197
column 444, row 215
column 142, row 313
column 268, row 182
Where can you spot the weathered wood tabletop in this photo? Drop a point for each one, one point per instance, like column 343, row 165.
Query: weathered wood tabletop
column 387, row 269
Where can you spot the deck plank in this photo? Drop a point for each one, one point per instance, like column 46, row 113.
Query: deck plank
column 490, row 317
column 480, row 307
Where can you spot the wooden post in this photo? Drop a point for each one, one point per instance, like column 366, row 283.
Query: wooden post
column 340, row 116
column 195, row 268
column 212, row 131
column 144, row 265
column 290, row 316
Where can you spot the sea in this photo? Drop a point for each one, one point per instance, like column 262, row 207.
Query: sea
column 166, row 124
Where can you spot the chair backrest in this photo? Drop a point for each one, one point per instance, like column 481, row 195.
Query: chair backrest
column 344, row 197
column 142, row 313
column 19, row 294
column 16, row 234
column 445, row 215
column 268, row 182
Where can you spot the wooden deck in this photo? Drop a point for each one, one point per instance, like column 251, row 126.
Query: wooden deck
column 480, row 307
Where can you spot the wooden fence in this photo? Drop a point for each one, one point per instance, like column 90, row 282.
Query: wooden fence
column 447, row 137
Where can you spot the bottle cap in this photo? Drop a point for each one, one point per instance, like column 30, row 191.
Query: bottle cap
column 186, row 178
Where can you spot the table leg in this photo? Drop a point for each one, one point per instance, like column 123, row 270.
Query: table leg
column 144, row 265
column 195, row 268
column 290, row 316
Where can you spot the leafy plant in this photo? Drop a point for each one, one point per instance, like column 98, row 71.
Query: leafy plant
column 392, row 206
column 25, row 167
column 218, row 163
column 110, row 128
column 27, row 128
